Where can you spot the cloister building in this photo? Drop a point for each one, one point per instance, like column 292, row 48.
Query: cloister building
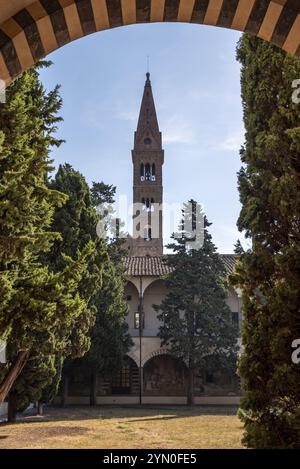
column 150, row 374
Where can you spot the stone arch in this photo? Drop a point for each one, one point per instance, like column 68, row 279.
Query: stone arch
column 164, row 375
column 126, row 379
column 31, row 29
column 133, row 355
column 132, row 285
column 152, row 284
column 155, row 353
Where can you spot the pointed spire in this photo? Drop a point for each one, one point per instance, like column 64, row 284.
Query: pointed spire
column 148, row 124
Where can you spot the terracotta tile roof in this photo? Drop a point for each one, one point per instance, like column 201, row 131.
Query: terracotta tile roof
column 229, row 261
column 146, row 265
column 154, row 266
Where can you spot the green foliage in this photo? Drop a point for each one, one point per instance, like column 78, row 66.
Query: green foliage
column 76, row 222
column 102, row 284
column 27, row 123
column 49, row 391
column 102, row 193
column 238, row 248
column 42, row 311
column 268, row 274
column 109, row 337
column 110, row 340
column 36, row 375
column 196, row 319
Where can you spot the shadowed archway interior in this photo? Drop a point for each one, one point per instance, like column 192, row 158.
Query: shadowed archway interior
column 30, row 30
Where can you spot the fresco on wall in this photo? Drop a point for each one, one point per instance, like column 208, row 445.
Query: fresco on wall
column 164, row 375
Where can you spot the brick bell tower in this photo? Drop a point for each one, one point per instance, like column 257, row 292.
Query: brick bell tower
column 148, row 160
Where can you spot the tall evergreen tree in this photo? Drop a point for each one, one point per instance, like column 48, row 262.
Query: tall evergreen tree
column 102, row 193
column 110, row 340
column 76, row 224
column 26, row 203
column 36, row 375
column 269, row 274
column 196, row 321
column 41, row 312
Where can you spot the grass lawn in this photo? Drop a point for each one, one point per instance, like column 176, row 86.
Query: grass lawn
column 126, row 427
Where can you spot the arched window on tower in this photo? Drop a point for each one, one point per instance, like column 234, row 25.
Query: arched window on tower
column 152, row 205
column 153, row 173
column 142, row 172
column 147, row 172
column 147, row 234
column 147, row 204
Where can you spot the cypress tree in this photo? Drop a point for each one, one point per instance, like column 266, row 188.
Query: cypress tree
column 268, row 274
column 75, row 222
column 26, row 203
column 42, row 313
column 196, row 321
column 110, row 340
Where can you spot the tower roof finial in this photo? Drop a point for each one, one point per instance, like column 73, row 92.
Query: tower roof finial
column 148, row 68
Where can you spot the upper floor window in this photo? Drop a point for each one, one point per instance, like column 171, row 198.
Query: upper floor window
column 147, row 141
column 137, row 320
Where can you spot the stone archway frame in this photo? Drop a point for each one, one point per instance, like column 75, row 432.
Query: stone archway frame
column 32, row 29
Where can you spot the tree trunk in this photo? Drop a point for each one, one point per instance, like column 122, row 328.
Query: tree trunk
column 12, row 374
column 190, row 387
column 12, row 408
column 93, row 388
column 65, row 390
column 40, row 408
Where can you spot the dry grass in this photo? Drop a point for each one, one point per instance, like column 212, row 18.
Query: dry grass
column 126, row 427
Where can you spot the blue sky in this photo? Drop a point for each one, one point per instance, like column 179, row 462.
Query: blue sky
column 196, row 85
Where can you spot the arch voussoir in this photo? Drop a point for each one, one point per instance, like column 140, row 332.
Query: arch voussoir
column 30, row 30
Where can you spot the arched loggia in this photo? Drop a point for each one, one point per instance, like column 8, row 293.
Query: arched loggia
column 30, row 30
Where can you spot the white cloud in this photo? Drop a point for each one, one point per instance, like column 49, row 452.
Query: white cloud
column 97, row 116
column 225, row 237
column 92, row 115
column 177, row 130
column 127, row 116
